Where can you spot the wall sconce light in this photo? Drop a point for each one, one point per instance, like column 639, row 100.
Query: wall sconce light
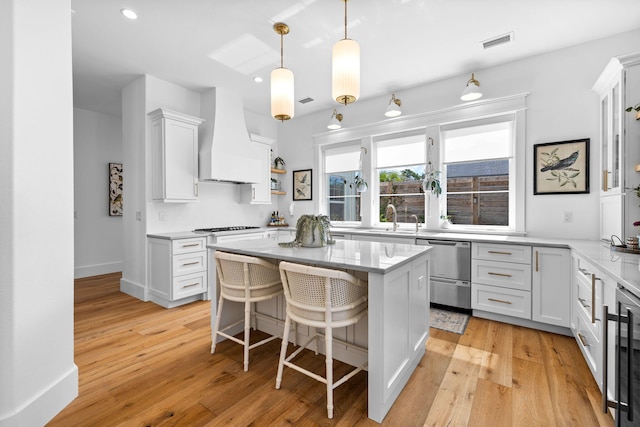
column 282, row 102
column 637, row 168
column 393, row 109
column 336, row 118
column 345, row 68
column 472, row 90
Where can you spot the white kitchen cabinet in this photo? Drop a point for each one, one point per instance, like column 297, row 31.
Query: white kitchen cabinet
column 174, row 156
column 501, row 279
column 618, row 86
column 551, row 286
column 592, row 288
column 177, row 270
column 260, row 192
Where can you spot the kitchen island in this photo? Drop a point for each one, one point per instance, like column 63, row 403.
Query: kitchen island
column 397, row 325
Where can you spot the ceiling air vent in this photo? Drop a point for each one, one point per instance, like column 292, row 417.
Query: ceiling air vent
column 305, row 100
column 495, row 41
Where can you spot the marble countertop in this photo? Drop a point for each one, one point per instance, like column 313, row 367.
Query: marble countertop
column 372, row 257
column 623, row 267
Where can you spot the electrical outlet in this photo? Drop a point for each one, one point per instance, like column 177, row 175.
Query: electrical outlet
column 567, row 216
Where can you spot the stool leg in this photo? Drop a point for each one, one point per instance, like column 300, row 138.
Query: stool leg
column 216, row 326
column 247, row 331
column 328, row 343
column 283, row 350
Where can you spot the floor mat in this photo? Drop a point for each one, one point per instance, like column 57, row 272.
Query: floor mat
column 448, row 320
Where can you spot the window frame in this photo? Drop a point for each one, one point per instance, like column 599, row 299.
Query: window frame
column 431, row 122
column 516, row 175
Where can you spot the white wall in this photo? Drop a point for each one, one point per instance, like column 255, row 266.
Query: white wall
column 37, row 374
column 560, row 106
column 219, row 204
column 97, row 141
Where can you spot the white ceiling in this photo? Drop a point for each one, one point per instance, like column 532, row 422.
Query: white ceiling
column 404, row 43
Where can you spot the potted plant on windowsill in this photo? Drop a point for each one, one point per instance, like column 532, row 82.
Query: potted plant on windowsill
column 312, row 231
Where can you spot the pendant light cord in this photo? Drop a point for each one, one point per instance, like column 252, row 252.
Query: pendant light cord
column 281, row 50
column 345, row 19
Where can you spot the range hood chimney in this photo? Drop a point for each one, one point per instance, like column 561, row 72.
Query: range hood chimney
column 226, row 152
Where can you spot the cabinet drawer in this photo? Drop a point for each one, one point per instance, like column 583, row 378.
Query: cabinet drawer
column 589, row 344
column 189, row 284
column 504, row 274
column 183, row 246
column 494, row 252
column 189, row 263
column 510, row 302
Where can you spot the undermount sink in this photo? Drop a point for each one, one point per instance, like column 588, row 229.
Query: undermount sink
column 390, row 231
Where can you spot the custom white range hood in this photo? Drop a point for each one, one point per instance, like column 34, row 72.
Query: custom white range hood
column 226, row 152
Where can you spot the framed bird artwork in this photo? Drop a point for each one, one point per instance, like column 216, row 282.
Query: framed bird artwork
column 302, row 184
column 561, row 167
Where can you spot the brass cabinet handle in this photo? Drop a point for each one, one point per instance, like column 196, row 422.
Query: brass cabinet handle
column 191, row 245
column 537, row 261
column 500, row 252
column 191, row 285
column 583, row 341
column 605, row 180
column 191, row 263
column 500, row 301
column 499, row 274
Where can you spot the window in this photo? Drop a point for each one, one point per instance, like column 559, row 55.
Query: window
column 479, row 172
column 400, row 169
column 341, row 165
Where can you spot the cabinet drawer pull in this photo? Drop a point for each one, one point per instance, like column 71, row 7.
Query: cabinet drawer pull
column 593, row 298
column 191, row 285
column 190, row 263
column 583, row 340
column 499, row 274
column 500, row 253
column 191, row 245
column 500, row 301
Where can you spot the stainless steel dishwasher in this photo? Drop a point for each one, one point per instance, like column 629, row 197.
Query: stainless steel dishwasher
column 450, row 272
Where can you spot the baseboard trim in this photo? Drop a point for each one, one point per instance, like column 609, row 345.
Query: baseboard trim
column 523, row 322
column 97, row 269
column 136, row 290
column 44, row 407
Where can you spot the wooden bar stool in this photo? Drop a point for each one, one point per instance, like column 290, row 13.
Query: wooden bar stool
column 245, row 279
column 320, row 298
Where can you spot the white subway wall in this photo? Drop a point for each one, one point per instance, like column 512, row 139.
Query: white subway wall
column 97, row 141
column 560, row 106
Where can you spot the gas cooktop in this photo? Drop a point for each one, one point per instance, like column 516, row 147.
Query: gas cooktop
column 216, row 229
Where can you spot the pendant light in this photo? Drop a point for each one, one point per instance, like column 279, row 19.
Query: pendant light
column 393, row 109
column 336, row 118
column 472, row 90
column 282, row 102
column 345, row 68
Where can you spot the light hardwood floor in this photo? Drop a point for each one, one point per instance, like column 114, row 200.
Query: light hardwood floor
column 143, row 365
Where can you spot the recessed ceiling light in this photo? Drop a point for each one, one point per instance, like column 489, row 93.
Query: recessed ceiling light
column 257, row 79
column 128, row 13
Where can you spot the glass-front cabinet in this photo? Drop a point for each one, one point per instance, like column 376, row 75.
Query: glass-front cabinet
column 618, row 86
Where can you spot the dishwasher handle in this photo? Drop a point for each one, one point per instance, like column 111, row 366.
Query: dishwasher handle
column 425, row 242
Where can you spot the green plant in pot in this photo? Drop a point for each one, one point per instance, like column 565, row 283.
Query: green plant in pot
column 312, row 231
column 278, row 162
column 360, row 184
column 431, row 181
